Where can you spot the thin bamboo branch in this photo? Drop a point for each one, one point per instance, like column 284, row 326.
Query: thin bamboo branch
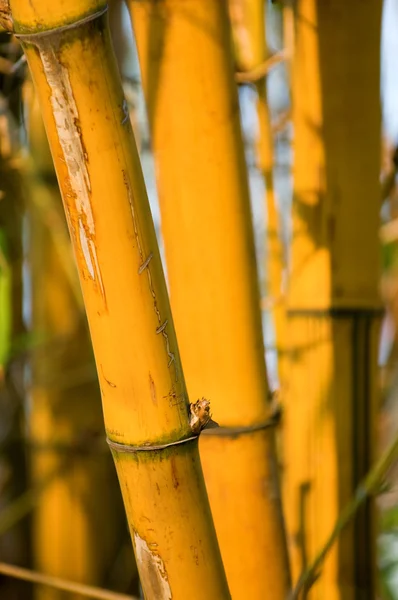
column 62, row 584
column 368, row 487
column 261, row 70
column 281, row 122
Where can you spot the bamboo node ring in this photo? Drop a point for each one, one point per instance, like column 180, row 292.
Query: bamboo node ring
column 127, row 449
column 62, row 28
column 242, row 430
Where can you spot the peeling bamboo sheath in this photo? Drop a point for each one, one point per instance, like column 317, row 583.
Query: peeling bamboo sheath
column 184, row 52
column 142, row 385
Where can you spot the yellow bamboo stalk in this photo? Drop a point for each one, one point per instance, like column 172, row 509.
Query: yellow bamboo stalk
column 62, row 416
column 288, row 36
column 13, row 463
column 188, row 80
column 248, row 27
column 333, row 301
column 145, row 404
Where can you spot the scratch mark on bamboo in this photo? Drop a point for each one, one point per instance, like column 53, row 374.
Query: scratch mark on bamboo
column 110, row 383
column 145, row 267
column 145, row 264
column 174, row 398
column 162, row 327
column 152, row 570
column 75, row 157
column 86, row 250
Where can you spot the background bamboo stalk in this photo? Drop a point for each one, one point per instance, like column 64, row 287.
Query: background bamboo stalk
column 248, row 19
column 143, row 390
column 333, row 301
column 289, row 36
column 184, row 52
column 371, row 485
column 14, row 544
column 60, row 417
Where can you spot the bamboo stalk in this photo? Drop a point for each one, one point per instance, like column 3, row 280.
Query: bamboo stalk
column 333, row 302
column 188, row 80
column 370, row 485
column 14, row 544
column 289, row 37
column 145, row 403
column 248, row 26
column 66, row 516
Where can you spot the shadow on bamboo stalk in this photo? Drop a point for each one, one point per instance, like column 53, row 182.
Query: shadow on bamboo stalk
column 330, row 415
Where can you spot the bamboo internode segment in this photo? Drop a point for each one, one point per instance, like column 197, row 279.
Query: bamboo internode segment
column 188, row 78
column 142, row 384
column 337, row 141
column 131, row 267
column 204, row 201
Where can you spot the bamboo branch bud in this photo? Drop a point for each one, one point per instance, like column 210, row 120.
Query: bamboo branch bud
column 200, row 415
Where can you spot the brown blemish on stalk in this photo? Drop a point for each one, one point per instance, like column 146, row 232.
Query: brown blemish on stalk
column 195, row 555
column 174, row 474
column 153, row 390
column 110, row 383
column 174, row 398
